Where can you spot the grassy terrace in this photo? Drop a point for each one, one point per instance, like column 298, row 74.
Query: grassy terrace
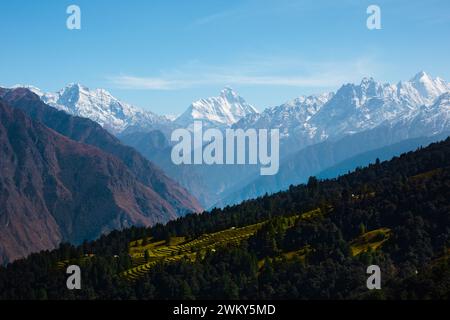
column 145, row 254
column 371, row 240
column 178, row 248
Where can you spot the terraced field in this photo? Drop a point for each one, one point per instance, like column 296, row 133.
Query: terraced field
column 178, row 249
column 147, row 253
column 370, row 240
column 300, row 253
column 316, row 213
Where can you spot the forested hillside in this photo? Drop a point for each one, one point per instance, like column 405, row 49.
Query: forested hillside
column 312, row 241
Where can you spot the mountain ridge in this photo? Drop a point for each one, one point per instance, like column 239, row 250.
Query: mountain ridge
column 312, row 241
column 100, row 106
column 89, row 132
column 413, row 108
column 224, row 110
column 55, row 189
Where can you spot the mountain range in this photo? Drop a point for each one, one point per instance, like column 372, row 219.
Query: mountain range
column 100, row 106
column 313, row 241
column 353, row 108
column 65, row 178
column 317, row 131
column 355, row 120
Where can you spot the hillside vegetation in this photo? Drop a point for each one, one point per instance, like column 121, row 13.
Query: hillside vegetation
column 312, row 241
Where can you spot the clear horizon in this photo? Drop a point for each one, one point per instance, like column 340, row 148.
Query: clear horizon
column 155, row 57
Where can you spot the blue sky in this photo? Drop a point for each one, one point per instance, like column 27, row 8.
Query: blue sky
column 163, row 54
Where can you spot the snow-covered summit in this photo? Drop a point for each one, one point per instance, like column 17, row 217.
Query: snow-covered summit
column 224, row 110
column 352, row 108
column 100, row 106
column 357, row 107
column 286, row 116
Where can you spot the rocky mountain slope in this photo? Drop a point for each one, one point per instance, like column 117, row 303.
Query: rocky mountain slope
column 55, row 189
column 88, row 132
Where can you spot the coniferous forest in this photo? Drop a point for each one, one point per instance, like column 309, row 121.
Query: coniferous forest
column 312, row 241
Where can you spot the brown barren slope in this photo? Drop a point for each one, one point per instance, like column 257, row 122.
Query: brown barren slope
column 54, row 189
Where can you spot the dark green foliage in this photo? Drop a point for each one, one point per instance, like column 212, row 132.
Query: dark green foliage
column 409, row 195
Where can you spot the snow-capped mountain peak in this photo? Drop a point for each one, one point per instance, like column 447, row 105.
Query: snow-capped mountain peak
column 360, row 107
column 224, row 110
column 287, row 117
column 100, row 106
column 355, row 108
column 33, row 89
column 366, row 82
column 427, row 86
column 434, row 118
column 229, row 93
column 422, row 89
column 420, row 76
